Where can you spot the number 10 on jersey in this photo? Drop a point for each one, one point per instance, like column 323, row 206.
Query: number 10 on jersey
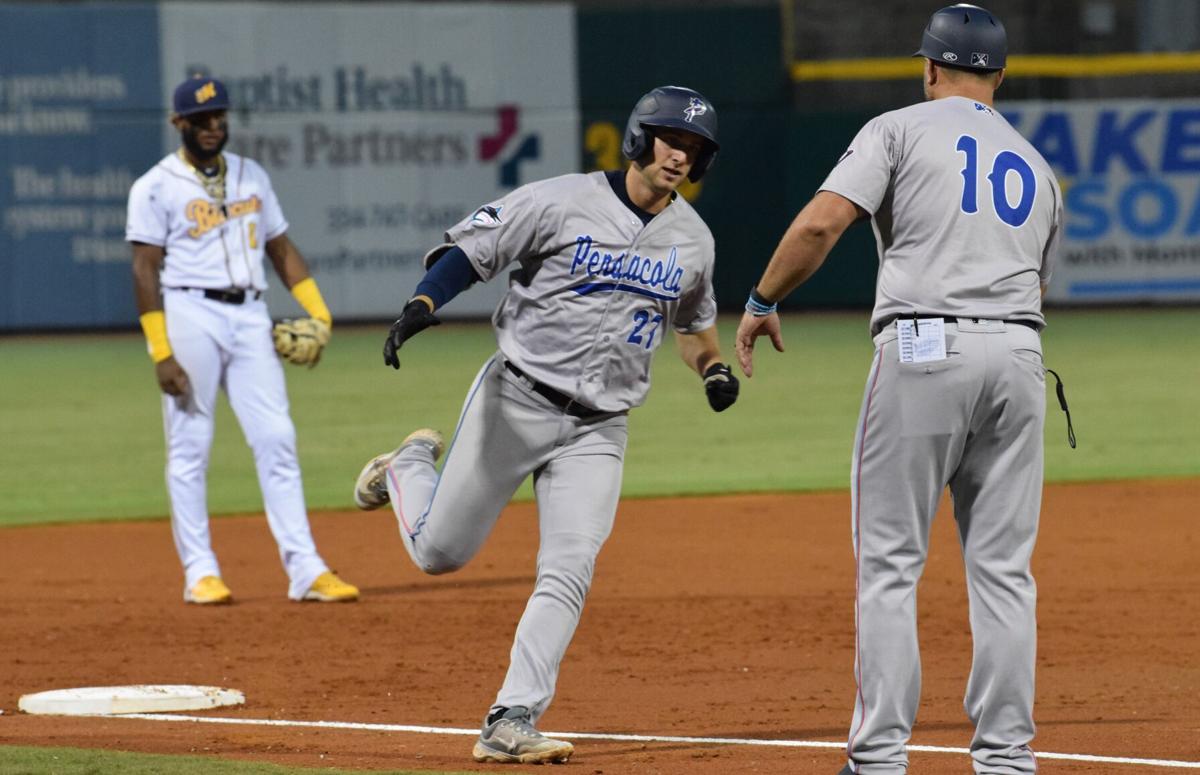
column 1004, row 163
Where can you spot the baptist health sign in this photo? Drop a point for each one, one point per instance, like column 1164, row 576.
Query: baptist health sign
column 380, row 125
column 1130, row 174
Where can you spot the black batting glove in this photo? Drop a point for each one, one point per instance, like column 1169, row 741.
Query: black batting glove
column 415, row 318
column 720, row 386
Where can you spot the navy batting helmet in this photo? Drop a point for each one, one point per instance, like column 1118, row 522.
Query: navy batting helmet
column 965, row 36
column 679, row 108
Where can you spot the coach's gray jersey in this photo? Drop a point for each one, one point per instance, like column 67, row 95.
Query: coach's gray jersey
column 966, row 213
column 595, row 291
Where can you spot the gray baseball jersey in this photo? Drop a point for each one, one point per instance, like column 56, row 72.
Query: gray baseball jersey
column 967, row 216
column 947, row 165
column 595, row 290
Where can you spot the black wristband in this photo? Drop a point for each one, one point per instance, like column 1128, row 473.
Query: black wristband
column 758, row 298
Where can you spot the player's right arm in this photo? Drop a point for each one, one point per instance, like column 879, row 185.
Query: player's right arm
column 147, row 262
column 799, row 255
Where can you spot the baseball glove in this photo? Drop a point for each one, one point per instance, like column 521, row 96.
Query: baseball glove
column 301, row 341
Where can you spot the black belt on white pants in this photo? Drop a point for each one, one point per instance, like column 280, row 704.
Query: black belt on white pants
column 226, row 295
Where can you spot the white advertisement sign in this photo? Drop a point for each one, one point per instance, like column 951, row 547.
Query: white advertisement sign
column 1130, row 173
column 382, row 125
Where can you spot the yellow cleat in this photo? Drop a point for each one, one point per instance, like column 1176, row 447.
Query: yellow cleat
column 328, row 588
column 209, row 590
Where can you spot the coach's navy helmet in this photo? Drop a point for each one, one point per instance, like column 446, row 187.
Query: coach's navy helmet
column 199, row 94
column 679, row 108
column 965, row 36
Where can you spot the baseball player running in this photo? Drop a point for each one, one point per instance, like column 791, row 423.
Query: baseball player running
column 967, row 217
column 604, row 264
column 200, row 221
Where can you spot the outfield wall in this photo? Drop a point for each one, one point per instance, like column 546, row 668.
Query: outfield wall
column 381, row 124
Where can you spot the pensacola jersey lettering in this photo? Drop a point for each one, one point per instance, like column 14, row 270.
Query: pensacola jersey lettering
column 207, row 216
column 634, row 274
column 593, row 291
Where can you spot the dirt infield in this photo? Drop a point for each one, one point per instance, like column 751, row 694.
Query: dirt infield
column 717, row 617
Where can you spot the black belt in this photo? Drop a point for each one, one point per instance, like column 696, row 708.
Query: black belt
column 227, row 296
column 948, row 319
column 559, row 399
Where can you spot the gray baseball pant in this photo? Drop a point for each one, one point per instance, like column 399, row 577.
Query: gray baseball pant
column 505, row 433
column 973, row 422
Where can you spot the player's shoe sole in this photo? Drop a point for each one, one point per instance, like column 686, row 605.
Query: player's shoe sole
column 370, row 492
column 370, row 489
column 559, row 754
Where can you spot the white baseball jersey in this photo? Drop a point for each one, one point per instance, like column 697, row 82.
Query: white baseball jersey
column 946, row 164
column 595, row 290
column 207, row 247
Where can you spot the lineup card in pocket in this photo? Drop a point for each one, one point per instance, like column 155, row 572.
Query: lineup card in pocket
column 922, row 341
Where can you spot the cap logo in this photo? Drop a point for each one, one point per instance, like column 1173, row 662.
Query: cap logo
column 206, row 92
column 696, row 107
column 950, row 56
column 979, row 60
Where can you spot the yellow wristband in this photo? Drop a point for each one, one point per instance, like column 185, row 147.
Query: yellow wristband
column 154, row 326
column 309, row 296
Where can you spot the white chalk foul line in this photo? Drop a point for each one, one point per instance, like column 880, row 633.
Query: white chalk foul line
column 1075, row 757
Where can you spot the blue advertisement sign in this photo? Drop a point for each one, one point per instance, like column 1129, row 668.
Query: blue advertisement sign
column 80, row 118
column 1130, row 174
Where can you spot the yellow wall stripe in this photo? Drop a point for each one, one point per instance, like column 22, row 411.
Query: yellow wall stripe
column 1024, row 65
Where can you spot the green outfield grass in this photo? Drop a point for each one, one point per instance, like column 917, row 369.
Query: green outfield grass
column 19, row 760
column 83, row 436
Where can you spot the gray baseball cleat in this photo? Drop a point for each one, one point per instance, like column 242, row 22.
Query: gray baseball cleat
column 511, row 738
column 846, row 770
column 370, row 489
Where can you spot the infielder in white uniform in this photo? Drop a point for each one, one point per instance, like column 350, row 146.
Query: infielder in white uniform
column 199, row 222
column 967, row 216
column 604, row 265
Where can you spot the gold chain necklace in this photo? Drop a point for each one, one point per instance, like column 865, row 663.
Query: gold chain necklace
column 214, row 185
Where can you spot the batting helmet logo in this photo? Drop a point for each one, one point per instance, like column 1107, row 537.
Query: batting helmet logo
column 695, row 108
column 965, row 36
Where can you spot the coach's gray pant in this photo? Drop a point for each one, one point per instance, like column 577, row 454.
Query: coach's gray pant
column 505, row 433
column 974, row 422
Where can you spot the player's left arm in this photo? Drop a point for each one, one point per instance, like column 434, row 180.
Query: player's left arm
column 299, row 341
column 293, row 271
column 702, row 352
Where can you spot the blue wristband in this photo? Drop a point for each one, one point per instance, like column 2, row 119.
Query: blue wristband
column 759, row 307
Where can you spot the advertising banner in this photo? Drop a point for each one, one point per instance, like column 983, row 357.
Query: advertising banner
column 80, row 105
column 381, row 125
column 1130, row 174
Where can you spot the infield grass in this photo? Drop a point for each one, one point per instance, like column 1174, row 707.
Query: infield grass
column 83, row 437
column 22, row 760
